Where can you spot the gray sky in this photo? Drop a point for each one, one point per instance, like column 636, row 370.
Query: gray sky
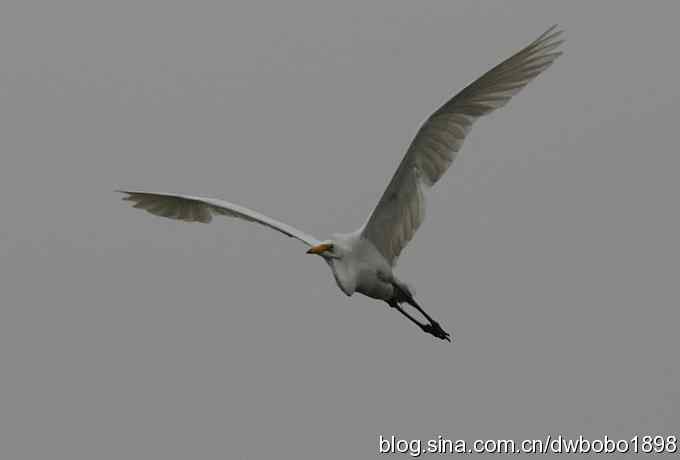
column 550, row 250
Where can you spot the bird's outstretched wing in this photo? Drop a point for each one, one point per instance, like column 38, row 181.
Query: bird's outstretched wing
column 198, row 209
column 401, row 208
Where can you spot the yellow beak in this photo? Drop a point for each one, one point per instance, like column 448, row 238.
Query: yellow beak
column 319, row 248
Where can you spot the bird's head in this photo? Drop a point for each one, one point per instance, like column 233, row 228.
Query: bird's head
column 328, row 249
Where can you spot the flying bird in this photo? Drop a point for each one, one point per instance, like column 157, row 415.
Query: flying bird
column 363, row 261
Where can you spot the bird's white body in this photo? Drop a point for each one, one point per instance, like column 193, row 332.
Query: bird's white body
column 362, row 261
column 362, row 269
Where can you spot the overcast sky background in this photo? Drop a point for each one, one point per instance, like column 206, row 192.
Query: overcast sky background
column 550, row 250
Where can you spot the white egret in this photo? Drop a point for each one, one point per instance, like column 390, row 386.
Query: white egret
column 363, row 261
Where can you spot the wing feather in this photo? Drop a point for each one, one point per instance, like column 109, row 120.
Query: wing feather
column 401, row 208
column 198, row 209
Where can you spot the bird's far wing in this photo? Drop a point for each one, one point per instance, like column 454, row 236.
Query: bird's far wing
column 198, row 209
column 401, row 208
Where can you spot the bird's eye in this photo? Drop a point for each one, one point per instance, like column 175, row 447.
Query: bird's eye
column 331, row 247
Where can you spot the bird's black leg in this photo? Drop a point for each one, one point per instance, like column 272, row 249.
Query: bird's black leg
column 433, row 328
column 396, row 306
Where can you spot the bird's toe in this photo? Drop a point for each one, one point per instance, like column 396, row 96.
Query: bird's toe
column 436, row 330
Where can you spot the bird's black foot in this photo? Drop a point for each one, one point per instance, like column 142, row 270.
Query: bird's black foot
column 436, row 330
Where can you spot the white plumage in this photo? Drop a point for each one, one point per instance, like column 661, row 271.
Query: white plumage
column 362, row 261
